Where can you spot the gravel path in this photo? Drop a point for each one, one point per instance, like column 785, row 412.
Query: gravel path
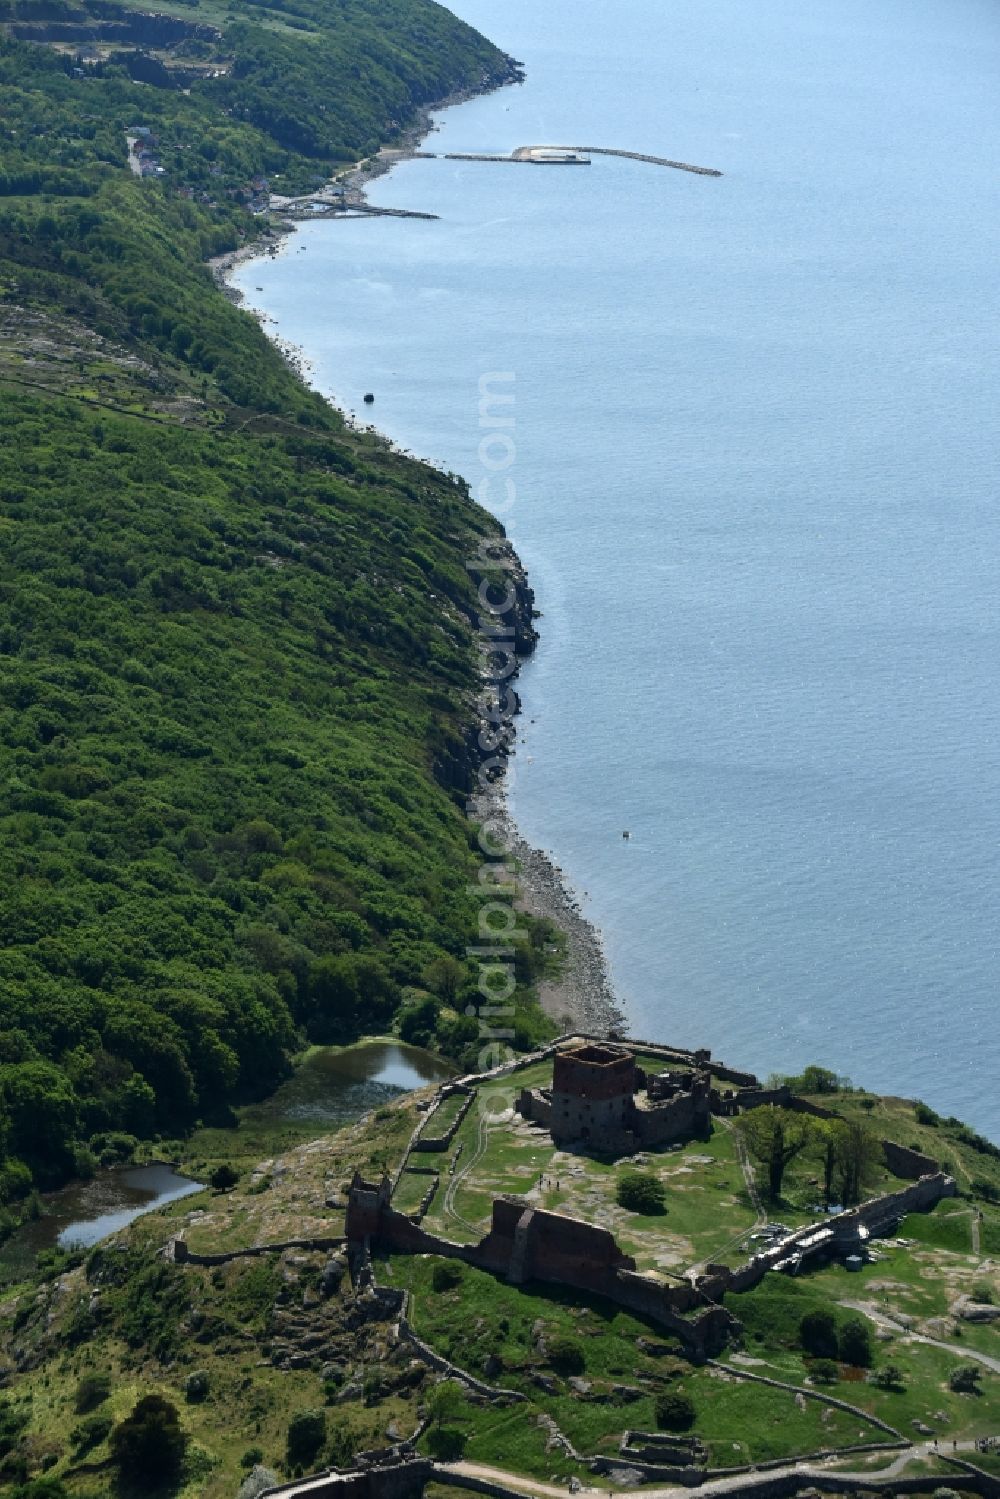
column 907, row 1335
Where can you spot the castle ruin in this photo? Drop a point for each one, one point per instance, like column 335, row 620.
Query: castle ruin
column 601, row 1099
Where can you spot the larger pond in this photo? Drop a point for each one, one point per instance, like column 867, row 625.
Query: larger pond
column 334, row 1085
column 331, row 1087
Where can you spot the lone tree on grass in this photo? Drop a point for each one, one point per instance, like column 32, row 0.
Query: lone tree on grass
column 966, row 1379
column 149, row 1445
column 640, row 1192
column 224, row 1177
column 855, row 1341
column 818, row 1334
column 774, row 1137
column 858, row 1153
column 446, row 1402
column 306, row 1435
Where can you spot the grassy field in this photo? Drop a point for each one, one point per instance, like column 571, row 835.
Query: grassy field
column 708, row 1211
column 740, row 1422
column 904, row 1296
column 441, row 1119
column 409, row 1192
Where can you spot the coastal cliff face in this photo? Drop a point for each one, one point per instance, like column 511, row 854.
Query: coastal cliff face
column 243, row 660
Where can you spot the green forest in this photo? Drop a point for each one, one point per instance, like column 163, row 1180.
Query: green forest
column 238, row 670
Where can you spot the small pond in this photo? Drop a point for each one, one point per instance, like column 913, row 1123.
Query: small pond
column 86, row 1211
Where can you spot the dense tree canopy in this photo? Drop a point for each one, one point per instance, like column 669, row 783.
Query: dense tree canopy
column 237, row 640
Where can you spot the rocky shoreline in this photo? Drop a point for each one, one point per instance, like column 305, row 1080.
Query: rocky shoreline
column 582, row 996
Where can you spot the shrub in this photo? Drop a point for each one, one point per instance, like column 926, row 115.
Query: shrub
column 446, row 1443
column 113, row 1147
column 889, row 1378
column 306, row 1435
column 640, row 1192
column 818, row 1334
column 85, row 1163
column 15, row 1182
column 982, row 1292
column 675, row 1411
column 149, row 1445
column 90, row 1433
column 251, row 1458
column 446, row 1402
column 223, row 1177
column 91, row 1392
column 965, row 1379
column 565, row 1356
column 446, row 1275
column 196, row 1387
column 855, row 1343
column 825, row 1371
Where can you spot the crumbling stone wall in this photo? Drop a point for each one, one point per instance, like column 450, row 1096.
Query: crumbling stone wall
column 397, row 1480
column 525, row 1243
column 681, row 1116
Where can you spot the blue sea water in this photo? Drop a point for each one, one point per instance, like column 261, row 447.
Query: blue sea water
column 756, row 490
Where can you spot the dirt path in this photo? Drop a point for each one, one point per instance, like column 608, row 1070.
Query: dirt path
column 753, row 1192
column 448, row 1202
column 740, row 1483
column 889, row 1324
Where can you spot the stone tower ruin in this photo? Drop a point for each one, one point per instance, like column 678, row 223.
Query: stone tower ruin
column 593, row 1088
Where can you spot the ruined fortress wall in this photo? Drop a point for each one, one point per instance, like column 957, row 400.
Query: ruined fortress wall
column 531, row 1104
column 814, row 1110
column 909, row 1164
column 180, row 1254
column 661, row 1123
column 702, row 1336
column 400, row 1480
column 919, row 1197
column 736, row 1078
column 557, row 1247
column 567, row 1251
column 878, row 1214
column 759, row 1098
